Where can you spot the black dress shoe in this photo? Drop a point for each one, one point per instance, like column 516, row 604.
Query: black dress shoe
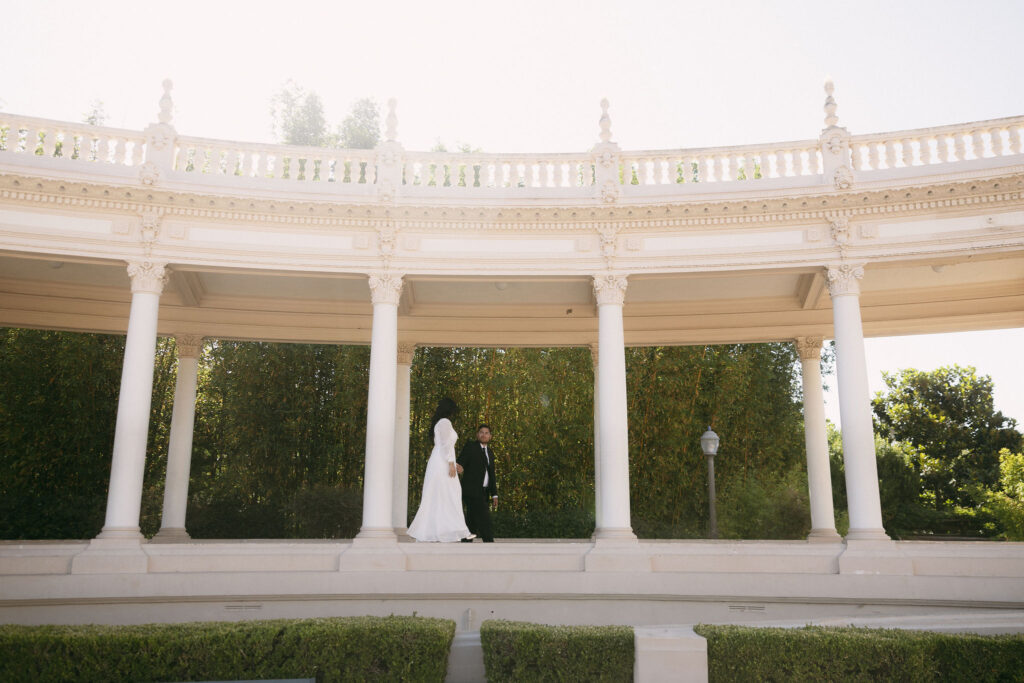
column 467, row 540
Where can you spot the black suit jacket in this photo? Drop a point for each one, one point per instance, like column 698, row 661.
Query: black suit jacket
column 474, row 464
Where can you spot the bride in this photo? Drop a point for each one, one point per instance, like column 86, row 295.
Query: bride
column 440, row 515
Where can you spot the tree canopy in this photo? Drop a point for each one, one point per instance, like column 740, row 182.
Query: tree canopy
column 949, row 417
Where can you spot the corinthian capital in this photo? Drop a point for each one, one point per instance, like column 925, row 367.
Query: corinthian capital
column 610, row 288
column 809, row 348
column 189, row 345
column 405, row 353
column 385, row 288
column 147, row 276
column 844, row 279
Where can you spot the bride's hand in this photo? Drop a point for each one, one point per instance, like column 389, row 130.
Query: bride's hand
column 451, row 469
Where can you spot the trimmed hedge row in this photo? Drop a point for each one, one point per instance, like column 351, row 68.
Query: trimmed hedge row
column 818, row 653
column 335, row 649
column 520, row 651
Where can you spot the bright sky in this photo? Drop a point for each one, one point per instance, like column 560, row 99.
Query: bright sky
column 528, row 76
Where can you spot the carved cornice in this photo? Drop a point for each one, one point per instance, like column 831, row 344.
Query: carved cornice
column 809, row 348
column 147, row 276
column 385, row 288
column 610, row 288
column 799, row 206
column 189, row 345
column 844, row 279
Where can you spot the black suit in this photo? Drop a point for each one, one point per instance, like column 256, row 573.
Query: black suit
column 475, row 495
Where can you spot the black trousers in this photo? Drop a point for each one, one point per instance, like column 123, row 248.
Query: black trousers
column 478, row 515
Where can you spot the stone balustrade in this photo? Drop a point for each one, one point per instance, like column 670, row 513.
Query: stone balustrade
column 604, row 173
column 939, row 145
column 23, row 135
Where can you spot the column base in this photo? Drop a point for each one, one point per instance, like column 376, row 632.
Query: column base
column 824, row 536
column 111, row 556
column 614, row 533
column 867, row 535
column 121, row 532
column 618, row 553
column 171, row 535
column 373, row 554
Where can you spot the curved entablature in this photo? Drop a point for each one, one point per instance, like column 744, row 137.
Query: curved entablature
column 717, row 244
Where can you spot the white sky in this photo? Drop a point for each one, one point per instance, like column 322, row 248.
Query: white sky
column 528, row 76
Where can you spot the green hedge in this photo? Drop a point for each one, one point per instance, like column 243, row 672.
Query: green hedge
column 814, row 653
column 519, row 651
column 335, row 649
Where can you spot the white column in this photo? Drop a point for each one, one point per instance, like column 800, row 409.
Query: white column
column 400, row 497
column 598, row 517
column 819, row 476
column 179, row 447
column 855, row 405
column 124, row 497
column 610, row 291
column 378, row 475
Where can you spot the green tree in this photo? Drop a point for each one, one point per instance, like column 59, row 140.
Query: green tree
column 361, row 128
column 948, row 415
column 96, row 115
column 298, row 117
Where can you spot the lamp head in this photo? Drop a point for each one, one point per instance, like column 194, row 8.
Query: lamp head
column 709, row 442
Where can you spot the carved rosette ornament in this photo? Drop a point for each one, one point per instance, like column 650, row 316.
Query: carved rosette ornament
column 386, row 242
column 610, row 289
column 842, row 179
column 405, row 353
column 385, row 288
column 809, row 348
column 189, row 345
column 610, row 192
column 609, row 240
column 844, row 279
column 149, row 174
column 147, row 276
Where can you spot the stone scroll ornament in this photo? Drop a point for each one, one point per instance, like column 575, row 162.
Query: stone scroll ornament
column 809, row 348
column 844, row 279
column 189, row 345
column 147, row 276
column 385, row 288
column 610, row 288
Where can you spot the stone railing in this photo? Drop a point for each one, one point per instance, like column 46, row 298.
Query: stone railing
column 940, row 145
column 605, row 173
column 71, row 141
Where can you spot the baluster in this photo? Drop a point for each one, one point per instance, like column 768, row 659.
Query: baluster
column 924, row 152
column 137, row 146
column 977, row 144
column 960, row 145
column 906, row 152
column 999, row 146
column 263, row 164
column 49, row 143
column 13, row 143
column 1015, row 135
column 874, row 156
column 890, row 154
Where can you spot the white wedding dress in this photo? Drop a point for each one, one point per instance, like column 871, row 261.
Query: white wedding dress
column 440, row 515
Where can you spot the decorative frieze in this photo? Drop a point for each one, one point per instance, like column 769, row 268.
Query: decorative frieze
column 149, row 230
column 844, row 279
column 610, row 288
column 385, row 288
column 809, row 348
column 147, row 276
column 189, row 345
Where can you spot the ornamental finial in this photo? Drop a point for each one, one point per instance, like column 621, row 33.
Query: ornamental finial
column 392, row 120
column 830, row 103
column 166, row 104
column 606, row 122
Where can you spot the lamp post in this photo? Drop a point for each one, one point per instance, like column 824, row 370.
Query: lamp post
column 709, row 444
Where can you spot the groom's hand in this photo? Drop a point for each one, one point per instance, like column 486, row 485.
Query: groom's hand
column 494, row 502
column 458, row 468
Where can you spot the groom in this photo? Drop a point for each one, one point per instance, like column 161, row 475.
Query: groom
column 479, row 485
